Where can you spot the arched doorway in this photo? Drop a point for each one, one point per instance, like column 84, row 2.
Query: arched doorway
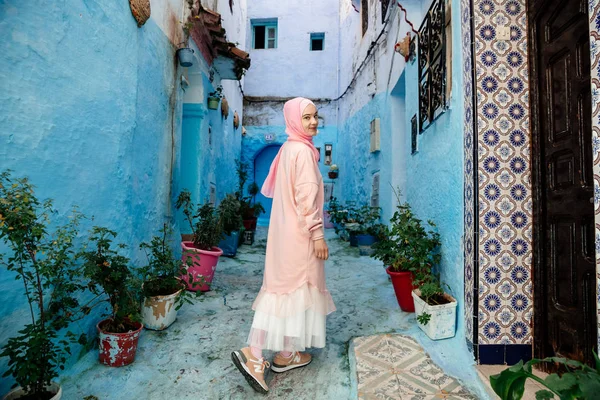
column 262, row 164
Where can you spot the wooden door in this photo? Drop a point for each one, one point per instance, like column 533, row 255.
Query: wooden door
column 564, row 276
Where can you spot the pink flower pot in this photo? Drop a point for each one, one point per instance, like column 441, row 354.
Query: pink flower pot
column 204, row 263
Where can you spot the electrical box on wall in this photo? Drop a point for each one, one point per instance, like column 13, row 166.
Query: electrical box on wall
column 375, row 141
column 328, row 151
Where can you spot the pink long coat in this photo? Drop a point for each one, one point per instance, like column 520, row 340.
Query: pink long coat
column 293, row 302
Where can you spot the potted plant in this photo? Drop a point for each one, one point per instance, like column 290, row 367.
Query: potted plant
column 578, row 381
column 406, row 248
column 43, row 262
column 111, row 280
column 435, row 309
column 249, row 207
column 214, row 98
column 201, row 254
column 333, row 171
column 367, row 233
column 351, row 222
column 337, row 214
column 231, row 222
column 185, row 54
column 163, row 290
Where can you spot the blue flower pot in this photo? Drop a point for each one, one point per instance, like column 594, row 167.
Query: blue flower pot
column 186, row 57
column 353, row 240
column 366, row 240
column 229, row 244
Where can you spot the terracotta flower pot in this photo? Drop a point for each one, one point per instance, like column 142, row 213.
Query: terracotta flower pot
column 204, row 264
column 118, row 349
column 250, row 223
column 403, row 287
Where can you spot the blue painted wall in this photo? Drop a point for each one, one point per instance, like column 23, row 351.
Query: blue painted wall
column 209, row 147
column 431, row 180
column 91, row 114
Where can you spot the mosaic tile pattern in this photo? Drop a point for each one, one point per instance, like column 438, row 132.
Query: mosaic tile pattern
column 469, row 238
column 594, row 12
column 396, row 367
column 505, row 206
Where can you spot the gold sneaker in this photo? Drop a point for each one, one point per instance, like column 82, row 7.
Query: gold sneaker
column 295, row 360
column 252, row 368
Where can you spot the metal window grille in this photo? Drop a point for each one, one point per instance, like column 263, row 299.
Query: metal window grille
column 432, row 65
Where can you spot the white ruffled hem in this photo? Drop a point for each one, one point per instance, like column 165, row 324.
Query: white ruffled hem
column 291, row 321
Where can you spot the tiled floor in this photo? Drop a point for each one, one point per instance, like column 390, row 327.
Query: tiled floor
column 393, row 366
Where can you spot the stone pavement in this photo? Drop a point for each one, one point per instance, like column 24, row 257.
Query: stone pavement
column 191, row 359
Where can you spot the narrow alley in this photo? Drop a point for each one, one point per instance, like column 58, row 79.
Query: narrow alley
column 191, row 359
column 444, row 153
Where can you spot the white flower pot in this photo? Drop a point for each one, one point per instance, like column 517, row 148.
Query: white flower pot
column 158, row 312
column 442, row 324
column 17, row 393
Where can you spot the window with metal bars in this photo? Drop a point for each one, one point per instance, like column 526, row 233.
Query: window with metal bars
column 434, row 63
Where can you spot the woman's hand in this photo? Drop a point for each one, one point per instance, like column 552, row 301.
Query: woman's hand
column 321, row 249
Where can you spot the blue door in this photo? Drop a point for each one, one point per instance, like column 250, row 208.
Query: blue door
column 262, row 164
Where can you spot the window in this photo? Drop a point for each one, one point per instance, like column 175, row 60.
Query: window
column 364, row 13
column 264, row 33
column 434, row 63
column 317, row 41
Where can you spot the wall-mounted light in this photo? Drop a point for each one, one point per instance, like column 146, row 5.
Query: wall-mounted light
column 328, row 151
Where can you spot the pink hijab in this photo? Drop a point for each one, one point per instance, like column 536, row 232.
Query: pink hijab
column 292, row 112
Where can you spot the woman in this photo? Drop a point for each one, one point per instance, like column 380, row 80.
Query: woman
column 293, row 302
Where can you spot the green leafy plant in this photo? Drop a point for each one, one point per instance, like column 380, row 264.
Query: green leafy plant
column 162, row 273
column 111, row 279
column 367, row 218
column 249, row 207
column 406, row 245
column 43, row 261
column 203, row 219
column 337, row 214
column 230, row 214
column 579, row 382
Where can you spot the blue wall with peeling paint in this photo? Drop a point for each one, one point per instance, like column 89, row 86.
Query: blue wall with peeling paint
column 86, row 104
column 431, row 180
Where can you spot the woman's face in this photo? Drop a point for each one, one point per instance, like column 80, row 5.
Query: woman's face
column 310, row 120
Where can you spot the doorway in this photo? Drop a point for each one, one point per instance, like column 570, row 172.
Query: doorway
column 262, row 164
column 564, row 258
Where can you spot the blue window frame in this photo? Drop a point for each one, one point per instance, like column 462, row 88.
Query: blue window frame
column 317, row 41
column 264, row 33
